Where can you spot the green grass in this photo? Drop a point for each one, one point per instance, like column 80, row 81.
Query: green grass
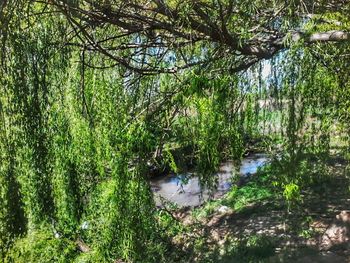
column 240, row 198
column 258, row 189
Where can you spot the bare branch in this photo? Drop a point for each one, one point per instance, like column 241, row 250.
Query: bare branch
column 164, row 29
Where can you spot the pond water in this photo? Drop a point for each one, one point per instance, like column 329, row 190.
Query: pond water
column 185, row 190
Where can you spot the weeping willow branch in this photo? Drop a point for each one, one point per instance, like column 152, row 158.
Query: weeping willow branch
column 164, row 26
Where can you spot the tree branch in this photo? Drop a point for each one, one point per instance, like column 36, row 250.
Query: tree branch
column 164, row 26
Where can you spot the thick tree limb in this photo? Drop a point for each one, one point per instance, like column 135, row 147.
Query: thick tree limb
column 163, row 26
column 330, row 36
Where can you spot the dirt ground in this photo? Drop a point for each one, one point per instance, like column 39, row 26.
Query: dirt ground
column 325, row 238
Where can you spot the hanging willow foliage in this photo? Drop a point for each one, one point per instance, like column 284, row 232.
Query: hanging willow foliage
column 69, row 153
column 79, row 137
column 26, row 61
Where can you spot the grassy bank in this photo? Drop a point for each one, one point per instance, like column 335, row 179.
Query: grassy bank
column 265, row 220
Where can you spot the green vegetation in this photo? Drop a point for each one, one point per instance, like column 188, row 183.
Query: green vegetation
column 246, row 219
column 96, row 97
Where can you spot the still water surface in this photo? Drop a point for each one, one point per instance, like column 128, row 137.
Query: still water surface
column 185, row 190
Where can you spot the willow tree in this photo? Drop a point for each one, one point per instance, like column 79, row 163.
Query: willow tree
column 93, row 91
column 244, row 31
column 71, row 154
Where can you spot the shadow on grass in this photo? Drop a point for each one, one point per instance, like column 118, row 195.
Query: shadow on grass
column 259, row 227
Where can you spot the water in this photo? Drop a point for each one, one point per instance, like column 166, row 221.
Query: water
column 185, row 190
